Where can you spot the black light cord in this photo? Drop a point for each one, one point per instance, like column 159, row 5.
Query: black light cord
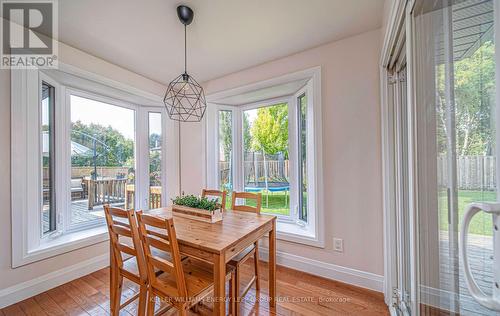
column 185, row 48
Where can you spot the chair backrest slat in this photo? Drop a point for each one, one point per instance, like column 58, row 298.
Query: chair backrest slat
column 216, row 193
column 123, row 223
column 159, row 244
column 122, row 231
column 162, row 264
column 126, row 249
column 257, row 197
column 157, row 235
column 164, row 239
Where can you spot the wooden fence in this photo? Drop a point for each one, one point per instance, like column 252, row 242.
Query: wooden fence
column 473, row 172
column 276, row 169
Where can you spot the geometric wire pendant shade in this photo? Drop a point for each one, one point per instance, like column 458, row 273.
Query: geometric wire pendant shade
column 184, row 98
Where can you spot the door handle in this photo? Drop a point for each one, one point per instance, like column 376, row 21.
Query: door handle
column 493, row 301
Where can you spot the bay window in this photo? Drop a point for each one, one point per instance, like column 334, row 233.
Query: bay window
column 271, row 147
column 77, row 145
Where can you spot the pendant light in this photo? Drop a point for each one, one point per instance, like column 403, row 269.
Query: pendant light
column 184, row 98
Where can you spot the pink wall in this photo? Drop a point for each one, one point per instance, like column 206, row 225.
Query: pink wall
column 351, row 146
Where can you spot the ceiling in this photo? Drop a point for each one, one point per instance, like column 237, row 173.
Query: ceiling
column 226, row 35
column 277, row 91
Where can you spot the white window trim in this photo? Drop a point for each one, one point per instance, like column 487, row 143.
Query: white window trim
column 313, row 233
column 27, row 244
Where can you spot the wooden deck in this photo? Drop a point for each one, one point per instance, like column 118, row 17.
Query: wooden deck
column 299, row 294
column 81, row 213
column 481, row 260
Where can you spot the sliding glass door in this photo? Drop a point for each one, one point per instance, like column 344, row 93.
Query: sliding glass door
column 456, row 152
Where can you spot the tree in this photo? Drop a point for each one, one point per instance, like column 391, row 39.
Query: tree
column 155, row 159
column 247, row 135
column 474, row 88
column 226, row 133
column 270, row 130
column 154, row 141
column 112, row 148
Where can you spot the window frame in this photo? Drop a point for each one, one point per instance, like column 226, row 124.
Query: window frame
column 288, row 228
column 28, row 243
column 52, row 155
column 302, row 93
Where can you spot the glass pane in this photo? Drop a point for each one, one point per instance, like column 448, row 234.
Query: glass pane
column 102, row 159
column 226, row 153
column 302, row 127
column 47, row 130
column 155, row 142
column 265, row 145
column 457, row 147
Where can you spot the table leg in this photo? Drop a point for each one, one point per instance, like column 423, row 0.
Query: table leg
column 272, row 265
column 219, row 285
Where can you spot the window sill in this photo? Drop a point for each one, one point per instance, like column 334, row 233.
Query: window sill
column 53, row 246
column 292, row 232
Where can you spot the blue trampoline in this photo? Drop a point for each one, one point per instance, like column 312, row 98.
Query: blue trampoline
column 271, row 187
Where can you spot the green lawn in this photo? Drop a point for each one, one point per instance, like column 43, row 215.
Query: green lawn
column 481, row 224
column 275, row 205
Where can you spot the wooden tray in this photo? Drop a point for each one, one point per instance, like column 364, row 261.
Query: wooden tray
column 197, row 214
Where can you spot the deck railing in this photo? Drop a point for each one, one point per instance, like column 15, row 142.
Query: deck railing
column 154, row 197
column 105, row 191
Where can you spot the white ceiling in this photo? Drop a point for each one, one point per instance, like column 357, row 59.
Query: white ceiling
column 146, row 37
column 281, row 90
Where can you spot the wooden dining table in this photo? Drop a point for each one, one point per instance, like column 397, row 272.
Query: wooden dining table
column 219, row 242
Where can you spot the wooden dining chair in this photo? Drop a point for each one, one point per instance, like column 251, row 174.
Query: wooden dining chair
column 253, row 250
column 219, row 194
column 185, row 282
column 127, row 258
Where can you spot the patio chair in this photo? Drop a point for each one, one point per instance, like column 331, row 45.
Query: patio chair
column 77, row 188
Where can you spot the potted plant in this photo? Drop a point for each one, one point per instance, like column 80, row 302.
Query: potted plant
column 198, row 208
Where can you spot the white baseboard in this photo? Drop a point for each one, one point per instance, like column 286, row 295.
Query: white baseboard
column 327, row 270
column 24, row 290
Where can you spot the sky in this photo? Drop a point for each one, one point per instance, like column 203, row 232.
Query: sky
column 122, row 119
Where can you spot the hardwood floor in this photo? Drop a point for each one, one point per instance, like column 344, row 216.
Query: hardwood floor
column 298, row 294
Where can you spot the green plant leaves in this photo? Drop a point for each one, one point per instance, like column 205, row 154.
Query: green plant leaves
column 196, row 202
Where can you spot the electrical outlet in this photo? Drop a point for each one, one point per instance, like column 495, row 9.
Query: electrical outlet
column 338, row 244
